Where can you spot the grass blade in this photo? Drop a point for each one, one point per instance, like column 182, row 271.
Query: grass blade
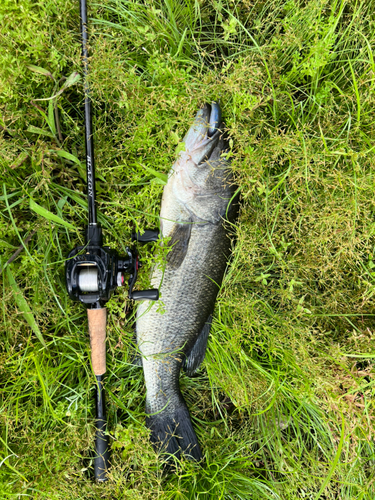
column 39, row 131
column 49, row 215
column 41, row 71
column 24, row 306
column 334, row 463
column 68, row 156
column 158, row 175
column 71, row 80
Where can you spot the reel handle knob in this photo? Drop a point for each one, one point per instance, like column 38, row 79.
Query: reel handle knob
column 147, row 236
column 145, row 294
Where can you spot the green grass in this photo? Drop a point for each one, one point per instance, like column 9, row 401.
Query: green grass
column 283, row 405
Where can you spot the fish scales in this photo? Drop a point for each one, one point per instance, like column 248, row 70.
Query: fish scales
column 188, row 294
column 195, row 202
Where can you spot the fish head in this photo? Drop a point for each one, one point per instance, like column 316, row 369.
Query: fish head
column 199, row 181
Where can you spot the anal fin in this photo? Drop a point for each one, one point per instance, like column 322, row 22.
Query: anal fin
column 195, row 357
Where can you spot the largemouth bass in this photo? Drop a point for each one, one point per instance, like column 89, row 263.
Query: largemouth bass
column 197, row 200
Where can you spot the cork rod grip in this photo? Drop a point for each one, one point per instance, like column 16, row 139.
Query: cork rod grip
column 97, row 326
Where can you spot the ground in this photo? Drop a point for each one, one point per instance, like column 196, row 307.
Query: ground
column 283, row 405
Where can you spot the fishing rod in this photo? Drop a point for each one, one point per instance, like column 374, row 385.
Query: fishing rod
column 94, row 271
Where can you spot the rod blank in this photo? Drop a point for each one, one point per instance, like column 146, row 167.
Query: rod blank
column 90, row 162
column 97, row 316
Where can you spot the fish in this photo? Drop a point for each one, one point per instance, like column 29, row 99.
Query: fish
column 199, row 200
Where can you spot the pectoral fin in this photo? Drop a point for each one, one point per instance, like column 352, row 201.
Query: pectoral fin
column 179, row 242
column 195, row 357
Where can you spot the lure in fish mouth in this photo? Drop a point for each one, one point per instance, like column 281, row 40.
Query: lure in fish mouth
column 196, row 206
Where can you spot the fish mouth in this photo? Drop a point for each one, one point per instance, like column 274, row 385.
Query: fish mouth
column 207, row 121
column 215, row 118
column 203, row 136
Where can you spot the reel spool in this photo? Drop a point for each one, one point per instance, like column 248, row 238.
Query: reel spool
column 88, row 279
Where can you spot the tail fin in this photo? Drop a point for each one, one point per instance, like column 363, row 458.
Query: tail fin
column 172, row 433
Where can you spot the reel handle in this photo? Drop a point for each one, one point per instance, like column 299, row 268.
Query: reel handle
column 152, row 294
column 97, row 319
column 147, row 236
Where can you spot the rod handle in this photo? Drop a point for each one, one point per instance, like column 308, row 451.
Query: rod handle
column 97, row 319
column 101, row 461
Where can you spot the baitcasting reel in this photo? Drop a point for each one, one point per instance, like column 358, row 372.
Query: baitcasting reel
column 94, row 271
